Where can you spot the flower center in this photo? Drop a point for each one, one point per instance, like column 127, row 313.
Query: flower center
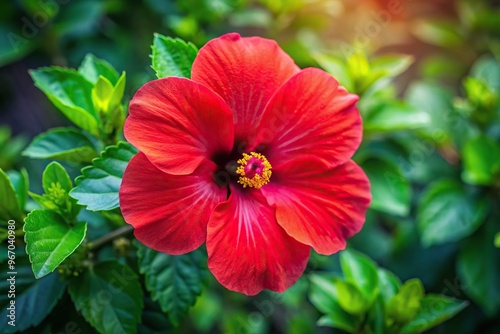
column 254, row 170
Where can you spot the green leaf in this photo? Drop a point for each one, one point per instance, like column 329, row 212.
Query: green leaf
column 101, row 93
column 93, row 67
column 478, row 269
column 360, row 271
column 109, row 297
column 65, row 144
column 35, row 299
column 440, row 33
column 98, row 186
column 50, row 240
column 389, row 284
column 335, row 67
column 20, row 182
column 391, row 191
column 57, row 185
column 448, row 213
column 406, row 303
column 174, row 281
column 70, row 93
column 487, row 69
column 324, row 297
column 434, row 310
column 481, row 158
column 497, row 240
column 392, row 65
column 153, row 320
column 9, row 203
column 394, row 117
column 351, row 299
column 435, row 101
column 172, row 57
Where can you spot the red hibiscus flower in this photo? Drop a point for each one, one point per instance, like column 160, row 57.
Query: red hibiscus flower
column 252, row 156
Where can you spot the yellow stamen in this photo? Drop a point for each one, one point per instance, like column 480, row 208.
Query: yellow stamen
column 260, row 177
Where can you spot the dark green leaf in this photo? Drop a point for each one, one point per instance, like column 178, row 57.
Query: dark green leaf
column 34, row 299
column 70, row 93
column 434, row 309
column 448, row 213
column 63, row 144
column 406, row 303
column 479, row 270
column 50, row 240
column 481, row 158
column 391, row 191
column 174, row 281
column 20, row 182
column 92, row 67
column 99, row 184
column 360, row 271
column 9, row 203
column 172, row 57
column 109, row 297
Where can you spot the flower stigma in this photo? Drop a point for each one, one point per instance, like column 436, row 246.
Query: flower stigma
column 254, row 170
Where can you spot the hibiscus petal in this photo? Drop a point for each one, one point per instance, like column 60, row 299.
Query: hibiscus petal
column 168, row 212
column 246, row 72
column 317, row 206
column 178, row 123
column 310, row 115
column 247, row 250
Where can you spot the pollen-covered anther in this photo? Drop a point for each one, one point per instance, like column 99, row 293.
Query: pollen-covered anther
column 254, row 170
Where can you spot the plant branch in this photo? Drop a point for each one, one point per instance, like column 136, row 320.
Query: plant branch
column 110, row 236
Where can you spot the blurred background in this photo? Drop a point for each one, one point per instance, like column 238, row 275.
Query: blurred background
column 429, row 80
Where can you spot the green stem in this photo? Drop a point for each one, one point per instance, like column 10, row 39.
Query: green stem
column 110, row 236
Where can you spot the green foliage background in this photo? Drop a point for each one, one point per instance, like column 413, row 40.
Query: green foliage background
column 428, row 74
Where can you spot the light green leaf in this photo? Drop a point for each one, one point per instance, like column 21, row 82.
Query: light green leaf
column 487, row 69
column 118, row 91
column 360, row 271
column 9, row 203
column 324, row 297
column 440, row 33
column 391, row 191
column 335, row 67
column 448, row 213
column 406, row 303
column 98, row 186
column 65, row 144
column 481, row 158
column 50, row 240
column 389, row 284
column 434, row 310
column 92, row 67
column 101, row 94
column 479, row 270
column 497, row 240
column 434, row 100
column 350, row 298
column 174, row 281
column 109, row 296
column 172, row 57
column 57, row 185
column 70, row 93
column 392, row 65
column 394, row 117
